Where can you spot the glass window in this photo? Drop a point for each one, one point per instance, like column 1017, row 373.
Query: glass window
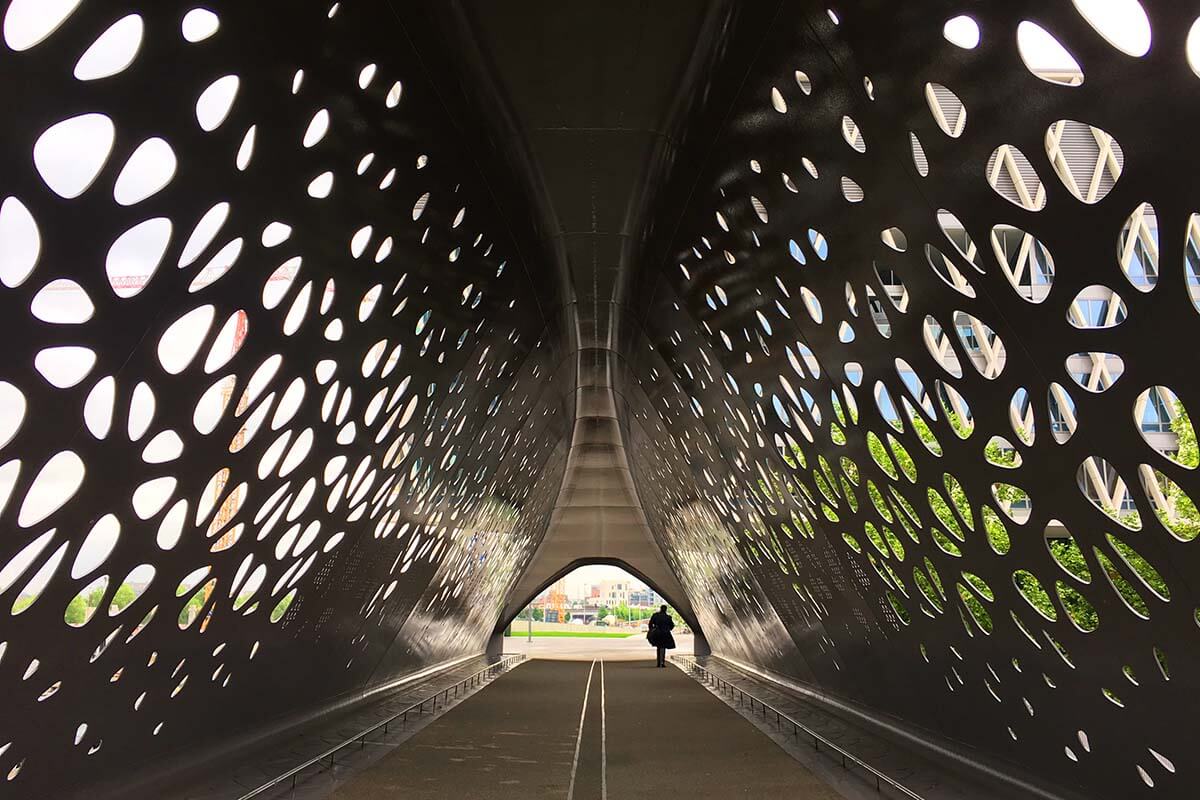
column 1058, row 419
column 1092, row 312
column 1020, row 402
column 1155, row 416
column 1039, row 265
column 1192, row 257
column 1042, row 273
column 1143, row 263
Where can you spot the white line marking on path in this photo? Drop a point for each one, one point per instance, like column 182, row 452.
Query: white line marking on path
column 603, row 740
column 579, row 736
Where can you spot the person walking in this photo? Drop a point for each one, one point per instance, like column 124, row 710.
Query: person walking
column 659, row 634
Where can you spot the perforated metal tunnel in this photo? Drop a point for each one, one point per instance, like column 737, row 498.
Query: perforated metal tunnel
column 864, row 331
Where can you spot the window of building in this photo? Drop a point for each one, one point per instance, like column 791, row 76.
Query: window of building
column 1039, row 269
column 967, row 334
column 1095, row 313
column 1058, row 420
column 1143, row 266
column 1155, row 416
column 1192, row 257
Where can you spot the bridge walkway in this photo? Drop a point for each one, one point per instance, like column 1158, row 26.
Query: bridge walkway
column 587, row 730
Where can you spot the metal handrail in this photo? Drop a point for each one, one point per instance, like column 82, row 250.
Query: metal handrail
column 781, row 717
column 361, row 737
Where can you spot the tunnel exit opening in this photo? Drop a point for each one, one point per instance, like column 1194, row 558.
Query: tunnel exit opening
column 592, row 609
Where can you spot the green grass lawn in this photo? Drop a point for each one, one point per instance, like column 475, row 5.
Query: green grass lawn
column 572, row 634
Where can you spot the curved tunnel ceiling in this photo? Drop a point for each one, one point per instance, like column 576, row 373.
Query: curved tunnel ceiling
column 850, row 328
column 596, row 129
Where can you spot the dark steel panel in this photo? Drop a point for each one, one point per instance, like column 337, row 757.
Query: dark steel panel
column 436, row 467
column 756, row 533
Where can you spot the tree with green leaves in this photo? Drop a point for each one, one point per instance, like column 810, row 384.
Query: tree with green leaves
column 1186, row 522
column 192, row 608
column 96, row 596
column 77, row 611
column 123, row 597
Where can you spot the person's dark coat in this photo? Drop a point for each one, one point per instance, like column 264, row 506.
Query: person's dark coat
column 659, row 634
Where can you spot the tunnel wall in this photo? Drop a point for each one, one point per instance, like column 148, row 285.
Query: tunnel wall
column 831, row 341
column 311, row 427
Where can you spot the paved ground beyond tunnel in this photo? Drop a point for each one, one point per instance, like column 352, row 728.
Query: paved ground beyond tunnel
column 631, row 648
column 642, row 733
